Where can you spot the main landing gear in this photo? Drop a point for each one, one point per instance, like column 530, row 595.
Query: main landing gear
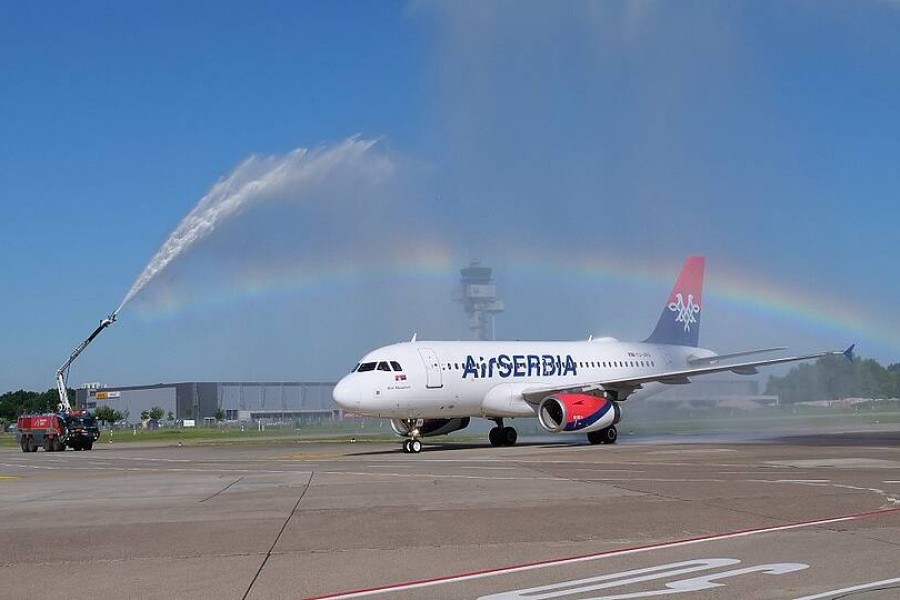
column 503, row 436
column 413, row 446
column 604, row 436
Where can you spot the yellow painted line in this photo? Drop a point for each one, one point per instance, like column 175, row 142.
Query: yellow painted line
column 9, row 477
column 311, row 456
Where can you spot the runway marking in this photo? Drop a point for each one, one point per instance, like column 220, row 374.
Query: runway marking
column 9, row 477
column 875, row 585
column 494, row 468
column 890, row 500
column 309, row 456
column 432, row 476
column 839, row 463
column 694, row 451
column 800, row 481
column 543, row 564
column 626, row 578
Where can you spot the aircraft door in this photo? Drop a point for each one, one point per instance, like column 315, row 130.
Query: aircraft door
column 432, row 368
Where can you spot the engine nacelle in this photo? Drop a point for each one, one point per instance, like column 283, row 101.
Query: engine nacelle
column 428, row 427
column 582, row 413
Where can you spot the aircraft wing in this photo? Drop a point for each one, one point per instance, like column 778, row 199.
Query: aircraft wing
column 628, row 385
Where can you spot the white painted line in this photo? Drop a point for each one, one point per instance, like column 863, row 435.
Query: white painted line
column 494, row 468
column 434, row 476
column 800, row 481
column 857, row 588
column 590, row 557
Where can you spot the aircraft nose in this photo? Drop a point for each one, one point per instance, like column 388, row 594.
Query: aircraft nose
column 344, row 393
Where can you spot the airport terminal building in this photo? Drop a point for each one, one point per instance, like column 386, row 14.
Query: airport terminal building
column 287, row 401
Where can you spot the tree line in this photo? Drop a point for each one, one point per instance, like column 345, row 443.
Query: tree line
column 835, row 378
column 21, row 402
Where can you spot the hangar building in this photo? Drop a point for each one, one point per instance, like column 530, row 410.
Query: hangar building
column 266, row 400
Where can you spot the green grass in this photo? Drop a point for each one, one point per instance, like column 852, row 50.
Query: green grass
column 681, row 422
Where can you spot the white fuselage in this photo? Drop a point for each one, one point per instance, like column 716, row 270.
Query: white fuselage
column 486, row 379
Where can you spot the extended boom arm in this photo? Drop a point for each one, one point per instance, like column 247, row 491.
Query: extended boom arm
column 62, row 373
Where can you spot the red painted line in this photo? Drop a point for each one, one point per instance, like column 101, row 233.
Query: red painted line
column 592, row 556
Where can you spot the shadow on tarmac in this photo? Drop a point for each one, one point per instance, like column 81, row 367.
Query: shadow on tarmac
column 849, row 438
column 438, row 446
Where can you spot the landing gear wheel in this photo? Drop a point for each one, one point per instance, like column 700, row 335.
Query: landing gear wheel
column 604, row 436
column 406, row 446
column 494, row 437
column 415, row 446
column 509, row 436
column 88, row 445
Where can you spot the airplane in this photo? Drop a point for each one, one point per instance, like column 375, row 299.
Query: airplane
column 431, row 388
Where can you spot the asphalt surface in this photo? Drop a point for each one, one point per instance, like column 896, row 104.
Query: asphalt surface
column 814, row 516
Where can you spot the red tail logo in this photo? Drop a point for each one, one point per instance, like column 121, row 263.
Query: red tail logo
column 679, row 323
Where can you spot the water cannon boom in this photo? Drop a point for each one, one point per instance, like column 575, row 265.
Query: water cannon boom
column 62, row 374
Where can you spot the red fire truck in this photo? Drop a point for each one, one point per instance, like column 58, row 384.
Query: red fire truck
column 53, row 432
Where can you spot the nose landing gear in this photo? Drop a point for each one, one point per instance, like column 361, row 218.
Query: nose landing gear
column 413, row 446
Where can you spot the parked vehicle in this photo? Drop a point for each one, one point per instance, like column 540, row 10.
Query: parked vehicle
column 56, row 431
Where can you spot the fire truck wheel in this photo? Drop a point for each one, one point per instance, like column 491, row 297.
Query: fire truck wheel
column 88, row 445
column 32, row 447
column 60, row 445
column 49, row 444
column 24, row 444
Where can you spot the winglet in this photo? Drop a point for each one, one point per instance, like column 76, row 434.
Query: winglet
column 415, row 335
column 849, row 352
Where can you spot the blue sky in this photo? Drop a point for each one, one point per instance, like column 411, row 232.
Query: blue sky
column 763, row 135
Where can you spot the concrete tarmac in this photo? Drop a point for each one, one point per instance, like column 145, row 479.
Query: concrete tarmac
column 809, row 517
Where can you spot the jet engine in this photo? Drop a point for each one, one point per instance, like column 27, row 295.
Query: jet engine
column 580, row 413
column 428, row 427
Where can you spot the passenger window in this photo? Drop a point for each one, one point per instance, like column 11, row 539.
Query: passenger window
column 383, row 366
column 396, row 365
column 370, row 366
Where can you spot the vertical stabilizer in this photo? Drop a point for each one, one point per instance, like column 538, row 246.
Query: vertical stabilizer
column 679, row 323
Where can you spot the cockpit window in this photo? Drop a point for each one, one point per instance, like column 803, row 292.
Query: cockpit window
column 353, row 370
column 383, row 366
column 396, row 365
column 369, row 366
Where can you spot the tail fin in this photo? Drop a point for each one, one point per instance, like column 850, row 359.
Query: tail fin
column 679, row 323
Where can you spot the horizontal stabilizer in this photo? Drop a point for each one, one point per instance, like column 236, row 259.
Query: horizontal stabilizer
column 709, row 360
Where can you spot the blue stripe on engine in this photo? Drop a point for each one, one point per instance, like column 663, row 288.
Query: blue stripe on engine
column 581, row 424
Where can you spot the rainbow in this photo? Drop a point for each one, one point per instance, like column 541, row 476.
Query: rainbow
column 434, row 263
column 744, row 291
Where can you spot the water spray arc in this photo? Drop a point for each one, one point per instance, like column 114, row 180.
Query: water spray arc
column 259, row 179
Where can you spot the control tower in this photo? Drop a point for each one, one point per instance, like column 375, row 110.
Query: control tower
column 478, row 295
